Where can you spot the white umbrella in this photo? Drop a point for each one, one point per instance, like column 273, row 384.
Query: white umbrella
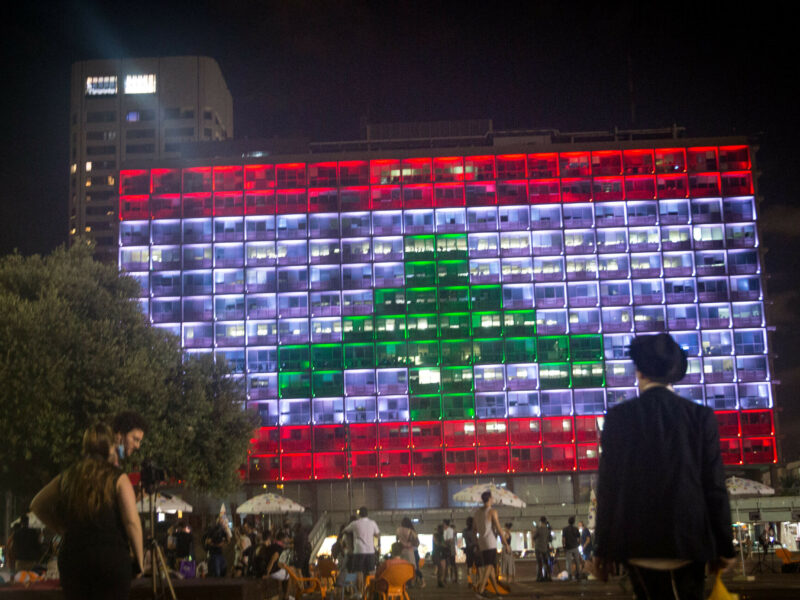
column 33, row 521
column 745, row 487
column 592, row 518
column 501, row 496
column 269, row 504
column 165, row 505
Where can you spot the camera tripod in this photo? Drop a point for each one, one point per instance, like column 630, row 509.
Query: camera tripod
column 158, row 564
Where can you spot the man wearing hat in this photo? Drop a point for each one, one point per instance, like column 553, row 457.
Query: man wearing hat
column 662, row 506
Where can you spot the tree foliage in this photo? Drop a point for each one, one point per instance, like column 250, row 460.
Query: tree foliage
column 74, row 347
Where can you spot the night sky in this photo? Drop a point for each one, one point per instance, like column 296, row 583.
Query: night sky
column 318, row 68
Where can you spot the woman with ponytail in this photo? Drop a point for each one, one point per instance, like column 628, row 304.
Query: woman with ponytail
column 93, row 506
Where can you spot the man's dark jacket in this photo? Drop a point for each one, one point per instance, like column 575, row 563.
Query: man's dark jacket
column 661, row 490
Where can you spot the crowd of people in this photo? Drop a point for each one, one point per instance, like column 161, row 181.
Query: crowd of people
column 658, row 441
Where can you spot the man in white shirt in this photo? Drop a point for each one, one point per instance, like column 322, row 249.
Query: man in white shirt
column 365, row 531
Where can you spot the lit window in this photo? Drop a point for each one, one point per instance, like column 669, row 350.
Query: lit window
column 101, row 86
column 89, row 166
column 132, row 116
column 140, row 84
column 87, row 229
column 111, row 180
column 73, row 168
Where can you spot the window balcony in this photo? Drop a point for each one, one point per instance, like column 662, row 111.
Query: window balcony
column 647, row 272
column 714, row 323
column 647, row 299
column 198, row 263
column 635, row 220
column 737, row 295
column 263, row 393
column 681, row 245
column 485, row 278
column 256, row 312
column 516, row 278
column 266, row 261
column 649, row 325
column 518, row 303
column 708, row 244
column 713, row 296
column 229, row 236
column 357, row 309
column 260, row 235
column 692, row 378
column 682, row 323
column 752, row 374
column 509, row 252
column 550, row 328
column 198, row 342
column 711, row 269
column 747, row 321
column 680, row 297
column 229, row 288
column 611, row 248
column 616, row 326
column 613, row 273
column 678, row 272
column 256, row 287
column 262, row 340
column 743, row 269
column 167, row 290
column 489, row 385
column 718, row 377
column 620, row 380
column 615, row 300
column 584, row 327
column 582, row 275
column 293, row 311
column 577, row 301
column 548, row 276
column 644, row 247
column 476, row 226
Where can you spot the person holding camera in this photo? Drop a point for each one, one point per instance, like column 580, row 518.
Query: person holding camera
column 214, row 541
column 92, row 505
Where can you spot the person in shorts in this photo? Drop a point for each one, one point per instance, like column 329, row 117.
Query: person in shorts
column 365, row 532
column 488, row 526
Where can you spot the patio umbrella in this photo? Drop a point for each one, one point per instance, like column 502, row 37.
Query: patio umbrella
column 165, row 505
column 269, row 504
column 501, row 496
column 33, row 521
column 592, row 518
column 745, row 487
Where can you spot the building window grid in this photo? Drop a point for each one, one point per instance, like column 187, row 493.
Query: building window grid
column 131, row 259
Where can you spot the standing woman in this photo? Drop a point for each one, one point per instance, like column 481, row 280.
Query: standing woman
column 507, row 567
column 92, row 505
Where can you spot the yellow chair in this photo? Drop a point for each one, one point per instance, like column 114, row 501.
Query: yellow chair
column 303, row 585
column 326, row 572
column 391, row 583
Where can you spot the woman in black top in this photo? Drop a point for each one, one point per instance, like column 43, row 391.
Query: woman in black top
column 92, row 505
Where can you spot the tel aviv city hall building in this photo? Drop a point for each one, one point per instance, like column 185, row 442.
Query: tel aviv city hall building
column 458, row 306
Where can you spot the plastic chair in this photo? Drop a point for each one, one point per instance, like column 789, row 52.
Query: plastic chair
column 346, row 581
column 786, row 556
column 303, row 585
column 326, row 573
column 391, row 584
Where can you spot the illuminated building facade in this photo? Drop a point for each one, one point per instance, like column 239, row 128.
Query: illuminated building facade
column 123, row 110
column 451, row 313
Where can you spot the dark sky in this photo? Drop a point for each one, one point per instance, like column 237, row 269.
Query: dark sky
column 316, row 68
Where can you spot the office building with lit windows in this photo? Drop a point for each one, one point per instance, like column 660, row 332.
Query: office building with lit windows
column 131, row 109
column 418, row 318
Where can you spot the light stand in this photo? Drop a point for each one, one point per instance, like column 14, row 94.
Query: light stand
column 158, row 564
